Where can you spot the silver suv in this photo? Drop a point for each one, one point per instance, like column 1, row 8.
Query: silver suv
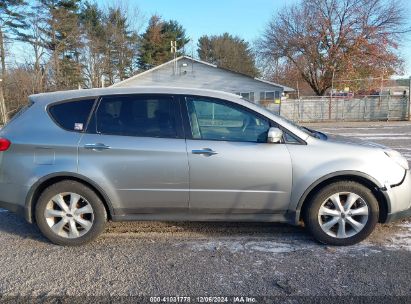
column 72, row 160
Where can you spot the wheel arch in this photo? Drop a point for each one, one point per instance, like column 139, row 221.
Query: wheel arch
column 364, row 179
column 37, row 188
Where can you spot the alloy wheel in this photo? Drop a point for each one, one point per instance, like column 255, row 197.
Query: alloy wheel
column 343, row 215
column 69, row 215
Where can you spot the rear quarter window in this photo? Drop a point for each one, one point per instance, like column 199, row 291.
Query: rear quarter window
column 72, row 115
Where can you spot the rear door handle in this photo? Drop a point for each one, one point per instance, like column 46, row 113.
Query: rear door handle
column 96, row 147
column 205, row 151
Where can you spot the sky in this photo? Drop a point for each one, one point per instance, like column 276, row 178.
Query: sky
column 245, row 18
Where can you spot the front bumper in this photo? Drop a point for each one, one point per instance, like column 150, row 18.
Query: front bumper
column 399, row 199
column 392, row 217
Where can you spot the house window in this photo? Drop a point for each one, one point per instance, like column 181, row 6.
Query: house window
column 249, row 96
column 269, row 96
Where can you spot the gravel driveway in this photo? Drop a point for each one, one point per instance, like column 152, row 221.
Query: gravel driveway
column 214, row 259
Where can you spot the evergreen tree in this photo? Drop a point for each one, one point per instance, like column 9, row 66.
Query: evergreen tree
column 94, row 38
column 155, row 45
column 121, row 44
column 64, row 42
column 229, row 52
column 35, row 37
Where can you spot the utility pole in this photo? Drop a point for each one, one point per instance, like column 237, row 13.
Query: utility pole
column 3, row 109
column 331, row 95
column 192, row 56
column 409, row 99
column 173, row 51
column 381, row 87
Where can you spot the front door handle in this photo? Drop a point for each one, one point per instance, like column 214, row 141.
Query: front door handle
column 205, row 151
column 96, row 147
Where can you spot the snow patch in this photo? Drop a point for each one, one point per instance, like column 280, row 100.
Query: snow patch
column 364, row 247
column 375, row 127
column 251, row 246
column 374, row 134
column 272, row 247
column 215, row 246
column 405, row 225
column 385, row 138
column 402, row 239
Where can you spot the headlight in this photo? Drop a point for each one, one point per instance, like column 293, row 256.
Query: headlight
column 398, row 158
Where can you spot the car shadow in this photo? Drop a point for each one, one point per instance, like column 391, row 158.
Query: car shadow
column 14, row 224
column 211, row 229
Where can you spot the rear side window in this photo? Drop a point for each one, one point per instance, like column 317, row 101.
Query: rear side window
column 72, row 115
column 141, row 116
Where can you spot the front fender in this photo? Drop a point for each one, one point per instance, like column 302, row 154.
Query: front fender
column 295, row 209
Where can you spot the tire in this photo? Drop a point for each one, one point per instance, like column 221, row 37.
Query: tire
column 69, row 213
column 329, row 225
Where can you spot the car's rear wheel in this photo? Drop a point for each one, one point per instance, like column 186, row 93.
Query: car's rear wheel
column 342, row 213
column 69, row 213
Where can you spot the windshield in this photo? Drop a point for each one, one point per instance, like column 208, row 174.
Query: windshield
column 301, row 128
column 305, row 130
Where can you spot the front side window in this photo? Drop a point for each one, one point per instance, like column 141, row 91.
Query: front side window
column 142, row 116
column 217, row 120
column 72, row 115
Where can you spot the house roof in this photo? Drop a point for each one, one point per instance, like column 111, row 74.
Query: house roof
column 74, row 94
column 285, row 88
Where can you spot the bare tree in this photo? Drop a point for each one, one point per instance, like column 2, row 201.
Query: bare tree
column 20, row 83
column 322, row 38
column 11, row 25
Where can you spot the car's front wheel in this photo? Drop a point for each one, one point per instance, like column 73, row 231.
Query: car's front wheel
column 69, row 213
column 342, row 213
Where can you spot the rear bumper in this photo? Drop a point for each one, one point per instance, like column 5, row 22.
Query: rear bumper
column 400, row 199
column 13, row 197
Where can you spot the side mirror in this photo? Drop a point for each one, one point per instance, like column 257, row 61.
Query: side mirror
column 275, row 135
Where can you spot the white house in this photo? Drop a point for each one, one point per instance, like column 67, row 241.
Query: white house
column 189, row 72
